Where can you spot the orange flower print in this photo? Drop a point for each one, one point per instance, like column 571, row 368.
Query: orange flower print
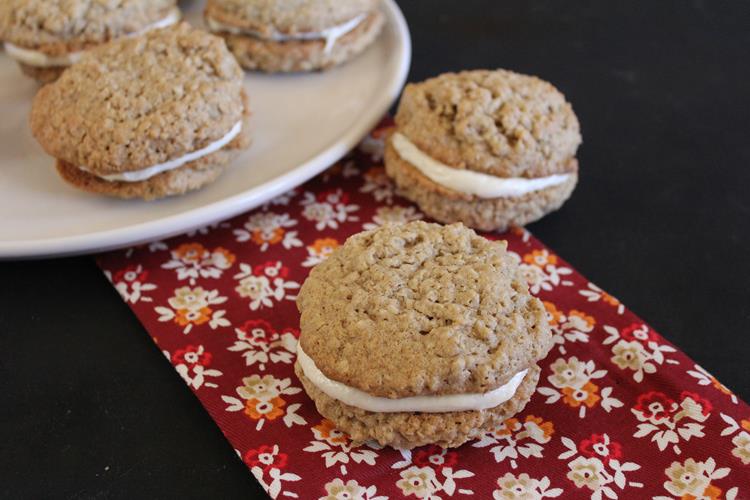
column 224, row 255
column 547, row 428
column 721, row 387
column 712, row 492
column 190, row 252
column 607, row 298
column 269, row 228
column 540, row 258
column 581, row 319
column 319, row 251
column 745, row 424
column 508, row 427
column 586, row 395
column 325, row 430
column 271, row 237
column 324, row 246
column 554, row 315
column 184, row 317
column 269, row 410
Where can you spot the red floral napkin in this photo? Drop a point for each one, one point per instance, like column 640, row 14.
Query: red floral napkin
column 619, row 412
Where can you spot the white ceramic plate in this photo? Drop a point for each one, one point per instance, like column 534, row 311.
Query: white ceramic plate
column 301, row 124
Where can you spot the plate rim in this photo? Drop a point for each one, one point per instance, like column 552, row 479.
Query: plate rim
column 173, row 225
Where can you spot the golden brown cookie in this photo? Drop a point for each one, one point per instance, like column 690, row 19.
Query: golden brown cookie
column 47, row 36
column 419, row 333
column 304, row 35
column 150, row 116
column 487, row 148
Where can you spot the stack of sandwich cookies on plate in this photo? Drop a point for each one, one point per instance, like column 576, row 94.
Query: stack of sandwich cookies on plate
column 419, row 333
column 304, row 35
column 47, row 36
column 146, row 117
column 490, row 149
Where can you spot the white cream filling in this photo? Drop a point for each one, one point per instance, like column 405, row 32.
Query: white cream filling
column 147, row 173
column 427, row 404
column 468, row 181
column 330, row 35
column 41, row 60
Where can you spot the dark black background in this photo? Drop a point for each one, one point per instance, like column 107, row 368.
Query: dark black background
column 89, row 408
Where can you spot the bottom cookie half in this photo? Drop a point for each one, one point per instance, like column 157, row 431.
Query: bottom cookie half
column 192, row 176
column 406, row 430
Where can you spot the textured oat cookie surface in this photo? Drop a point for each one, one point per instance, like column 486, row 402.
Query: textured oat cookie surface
column 60, row 26
column 288, row 16
column 497, row 122
column 421, row 309
column 139, row 102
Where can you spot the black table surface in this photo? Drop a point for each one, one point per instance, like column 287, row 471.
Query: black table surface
column 90, row 408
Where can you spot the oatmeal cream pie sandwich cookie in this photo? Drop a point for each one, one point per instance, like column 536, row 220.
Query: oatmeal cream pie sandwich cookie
column 47, row 36
column 146, row 117
column 419, row 333
column 490, row 149
column 298, row 35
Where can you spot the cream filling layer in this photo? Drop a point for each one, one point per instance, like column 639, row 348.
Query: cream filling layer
column 39, row 59
column 146, row 173
column 330, row 35
column 427, row 404
column 467, row 181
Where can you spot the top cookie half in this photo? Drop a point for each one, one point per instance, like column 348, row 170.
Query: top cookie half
column 496, row 122
column 57, row 27
column 141, row 101
column 421, row 309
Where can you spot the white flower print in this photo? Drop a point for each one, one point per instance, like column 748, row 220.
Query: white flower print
column 193, row 365
column 524, row 487
column 541, row 270
column 263, row 401
column 373, row 146
column 265, row 283
column 131, row 283
column 191, row 307
column 192, row 261
column 574, row 326
column 328, row 209
column 377, row 183
column 572, row 381
column 704, row 378
column 692, row 479
column 335, row 447
column 268, row 228
column 597, row 466
column 741, row 441
column 392, row 215
column 319, row 251
column 518, row 438
column 350, row 490
column 419, row 481
column 260, row 344
column 268, row 460
column 668, row 421
column 637, row 348
column 595, row 294
column 444, row 471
